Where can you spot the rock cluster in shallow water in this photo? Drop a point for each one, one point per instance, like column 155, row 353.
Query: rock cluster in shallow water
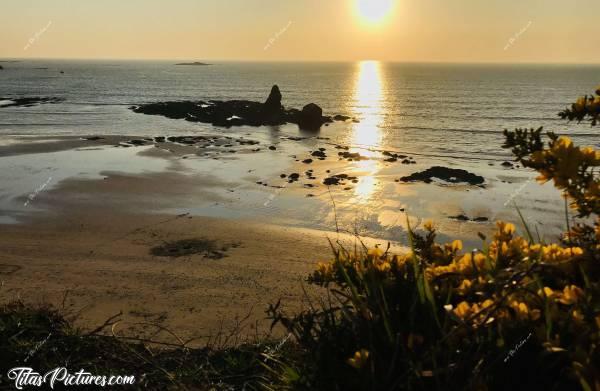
column 241, row 112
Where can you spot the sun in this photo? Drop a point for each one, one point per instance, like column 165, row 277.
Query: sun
column 373, row 11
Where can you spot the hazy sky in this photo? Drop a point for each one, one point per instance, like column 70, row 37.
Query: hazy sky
column 264, row 30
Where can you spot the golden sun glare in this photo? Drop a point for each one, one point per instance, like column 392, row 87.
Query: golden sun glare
column 373, row 11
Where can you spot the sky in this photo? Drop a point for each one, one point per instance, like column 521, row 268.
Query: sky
column 541, row 31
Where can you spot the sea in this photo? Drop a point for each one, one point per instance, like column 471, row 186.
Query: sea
column 449, row 113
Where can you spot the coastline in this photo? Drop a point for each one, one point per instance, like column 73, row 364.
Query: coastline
column 84, row 239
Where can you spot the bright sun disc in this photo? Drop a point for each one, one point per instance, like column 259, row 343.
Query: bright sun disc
column 373, row 11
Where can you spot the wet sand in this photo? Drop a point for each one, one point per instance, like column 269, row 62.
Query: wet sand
column 87, row 250
column 84, row 242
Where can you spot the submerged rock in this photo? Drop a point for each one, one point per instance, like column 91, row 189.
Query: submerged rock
column 451, row 175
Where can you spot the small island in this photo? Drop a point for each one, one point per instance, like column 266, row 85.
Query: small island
column 196, row 63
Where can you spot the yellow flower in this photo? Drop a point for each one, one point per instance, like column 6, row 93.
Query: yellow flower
column 590, row 156
column 521, row 309
column 468, row 263
column 579, row 105
column 359, row 359
column 546, row 291
column 570, row 295
column 382, row 266
column 464, row 286
column 568, row 161
column 428, row 225
column 487, row 303
column 457, row 245
column 505, row 231
column 324, row 271
column 462, row 310
column 578, row 316
column 375, row 252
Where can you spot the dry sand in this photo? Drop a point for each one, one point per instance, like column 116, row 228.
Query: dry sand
column 99, row 263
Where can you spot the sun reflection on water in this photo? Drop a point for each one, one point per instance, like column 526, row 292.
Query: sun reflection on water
column 368, row 96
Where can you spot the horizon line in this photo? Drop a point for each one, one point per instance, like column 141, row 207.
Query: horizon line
column 441, row 62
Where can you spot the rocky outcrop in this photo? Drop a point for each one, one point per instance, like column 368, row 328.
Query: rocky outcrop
column 239, row 112
column 272, row 108
column 451, row 175
column 311, row 117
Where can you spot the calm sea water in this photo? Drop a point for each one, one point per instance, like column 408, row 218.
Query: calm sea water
column 450, row 115
column 449, row 110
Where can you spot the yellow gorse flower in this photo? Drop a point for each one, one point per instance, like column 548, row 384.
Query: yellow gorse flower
column 457, row 245
column 428, row 225
column 382, row 266
column 570, row 295
column 375, row 252
column 359, row 359
column 324, row 271
column 464, row 286
column 546, row 291
column 504, row 232
column 463, row 310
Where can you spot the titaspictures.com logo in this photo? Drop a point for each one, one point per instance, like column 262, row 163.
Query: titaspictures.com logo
column 27, row 377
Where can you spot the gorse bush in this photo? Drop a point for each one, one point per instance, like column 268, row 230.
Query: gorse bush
column 520, row 313
column 586, row 107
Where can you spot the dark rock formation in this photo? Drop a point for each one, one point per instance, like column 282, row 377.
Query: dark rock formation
column 272, row 108
column 339, row 179
column 451, row 175
column 311, row 117
column 463, row 217
column 340, row 117
column 350, row 156
column 238, row 112
column 273, row 102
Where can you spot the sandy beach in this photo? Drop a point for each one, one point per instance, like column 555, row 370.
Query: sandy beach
column 85, row 245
